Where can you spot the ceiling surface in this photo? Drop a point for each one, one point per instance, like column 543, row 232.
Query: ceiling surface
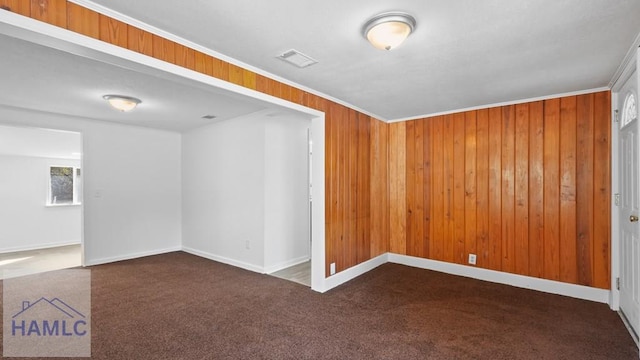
column 44, row 79
column 463, row 53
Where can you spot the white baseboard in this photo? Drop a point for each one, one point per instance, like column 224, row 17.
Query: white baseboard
column 352, row 273
column 527, row 282
column 285, row 264
column 224, row 260
column 38, row 246
column 91, row 262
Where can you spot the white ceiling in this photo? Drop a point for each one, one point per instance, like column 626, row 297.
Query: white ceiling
column 463, row 54
column 44, row 79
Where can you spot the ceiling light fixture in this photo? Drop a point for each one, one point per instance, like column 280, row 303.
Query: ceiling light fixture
column 122, row 103
column 388, row 30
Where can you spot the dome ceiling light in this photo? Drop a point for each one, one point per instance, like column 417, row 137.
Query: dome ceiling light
column 388, row 30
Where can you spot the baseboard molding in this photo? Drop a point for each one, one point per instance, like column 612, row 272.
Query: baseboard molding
column 92, row 262
column 285, row 264
column 224, row 260
column 37, row 247
column 527, row 282
column 352, row 272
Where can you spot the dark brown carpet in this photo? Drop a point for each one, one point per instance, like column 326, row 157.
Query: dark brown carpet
column 179, row 306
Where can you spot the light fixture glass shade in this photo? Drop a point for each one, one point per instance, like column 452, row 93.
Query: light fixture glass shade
column 387, row 31
column 122, row 103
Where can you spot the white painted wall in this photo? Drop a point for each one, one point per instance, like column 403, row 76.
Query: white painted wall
column 287, row 238
column 222, row 194
column 25, row 222
column 245, row 183
column 132, row 185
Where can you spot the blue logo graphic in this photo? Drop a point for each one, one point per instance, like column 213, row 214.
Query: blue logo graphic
column 48, row 318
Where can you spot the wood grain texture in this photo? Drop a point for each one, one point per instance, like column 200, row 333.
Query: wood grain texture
column 22, row 7
column 53, row 12
column 397, row 187
column 521, row 188
column 185, row 57
column 164, row 49
column 139, row 40
column 378, row 195
column 113, row 31
column 568, row 256
column 83, row 20
column 508, row 184
column 602, row 190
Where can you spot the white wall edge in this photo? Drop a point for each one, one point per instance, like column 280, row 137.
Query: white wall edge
column 224, row 260
column 352, row 273
column 628, row 59
column 514, row 102
column 131, row 256
column 39, row 247
column 527, row 282
column 285, row 264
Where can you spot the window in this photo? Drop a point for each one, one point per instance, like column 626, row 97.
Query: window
column 64, row 185
column 629, row 111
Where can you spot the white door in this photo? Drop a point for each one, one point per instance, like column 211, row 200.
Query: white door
column 627, row 114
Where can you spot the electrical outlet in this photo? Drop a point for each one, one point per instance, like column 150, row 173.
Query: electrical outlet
column 472, row 259
column 332, row 268
column 247, row 244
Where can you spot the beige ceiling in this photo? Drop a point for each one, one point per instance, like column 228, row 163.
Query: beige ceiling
column 463, row 54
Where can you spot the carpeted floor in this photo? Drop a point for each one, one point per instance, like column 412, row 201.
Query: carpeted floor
column 179, row 306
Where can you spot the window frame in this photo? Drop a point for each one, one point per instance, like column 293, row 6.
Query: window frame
column 77, row 187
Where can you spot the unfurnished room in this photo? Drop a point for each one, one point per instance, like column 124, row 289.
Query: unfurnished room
column 320, row 180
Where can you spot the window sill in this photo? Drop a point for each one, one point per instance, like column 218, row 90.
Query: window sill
column 62, row 205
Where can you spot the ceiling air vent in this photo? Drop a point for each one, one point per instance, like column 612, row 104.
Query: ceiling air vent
column 209, row 117
column 297, row 58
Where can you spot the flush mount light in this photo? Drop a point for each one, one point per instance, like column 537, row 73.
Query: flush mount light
column 122, row 103
column 388, row 30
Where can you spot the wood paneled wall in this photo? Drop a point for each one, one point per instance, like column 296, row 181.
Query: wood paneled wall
column 356, row 144
column 525, row 187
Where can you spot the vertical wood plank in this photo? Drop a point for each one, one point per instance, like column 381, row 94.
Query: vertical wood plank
column 164, row 49
column 495, row 189
column 82, row 20
column 552, row 189
column 438, row 218
column 236, row 74
column 139, row 40
column 427, row 175
column 397, row 187
column 22, row 7
column 458, row 188
column 204, row 65
column 185, row 57
column 521, row 239
column 419, row 230
column 482, row 189
column 584, row 189
column 53, row 12
column 249, row 81
column 536, row 189
column 363, row 189
column 379, row 188
column 508, row 188
column 113, row 31
column 410, row 174
column 470, row 176
column 449, row 168
column 221, row 71
column 602, row 190
column 352, row 188
column 568, row 270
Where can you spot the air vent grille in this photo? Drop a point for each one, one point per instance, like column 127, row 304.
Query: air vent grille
column 297, row 58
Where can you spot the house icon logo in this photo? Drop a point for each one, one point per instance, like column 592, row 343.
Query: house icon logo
column 48, row 318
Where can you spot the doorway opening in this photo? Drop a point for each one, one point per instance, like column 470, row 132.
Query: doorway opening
column 42, row 200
